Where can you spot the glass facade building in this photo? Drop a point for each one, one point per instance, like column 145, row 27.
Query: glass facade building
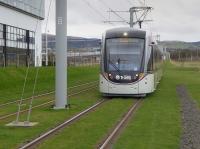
column 16, row 46
column 18, row 38
column 31, row 7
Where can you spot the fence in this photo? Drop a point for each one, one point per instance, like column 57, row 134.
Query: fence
column 76, row 58
column 184, row 54
column 16, row 58
column 1, row 60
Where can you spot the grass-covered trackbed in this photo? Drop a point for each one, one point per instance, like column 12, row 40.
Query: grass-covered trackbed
column 157, row 124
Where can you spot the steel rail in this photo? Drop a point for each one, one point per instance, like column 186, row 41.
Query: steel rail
column 66, row 123
column 119, row 126
column 43, row 94
column 43, row 104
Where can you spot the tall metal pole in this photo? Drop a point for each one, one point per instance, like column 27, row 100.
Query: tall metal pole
column 46, row 55
column 5, row 45
column 61, row 54
column 131, row 17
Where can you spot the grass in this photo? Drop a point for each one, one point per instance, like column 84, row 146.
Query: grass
column 157, row 124
column 187, row 64
column 89, row 131
column 37, row 101
column 12, row 80
column 10, row 87
column 192, row 81
column 189, row 72
column 47, row 118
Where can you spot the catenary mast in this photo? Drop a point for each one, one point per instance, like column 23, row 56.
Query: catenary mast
column 61, row 55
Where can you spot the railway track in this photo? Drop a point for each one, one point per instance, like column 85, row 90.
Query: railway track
column 107, row 143
column 45, row 103
column 40, row 139
column 45, row 94
column 112, row 137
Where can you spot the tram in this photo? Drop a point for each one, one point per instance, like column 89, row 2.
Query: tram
column 131, row 63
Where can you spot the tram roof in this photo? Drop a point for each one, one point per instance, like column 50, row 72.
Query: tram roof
column 126, row 32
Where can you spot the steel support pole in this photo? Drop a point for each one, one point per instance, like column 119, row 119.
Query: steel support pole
column 46, row 55
column 28, row 58
column 131, row 18
column 5, row 45
column 61, row 54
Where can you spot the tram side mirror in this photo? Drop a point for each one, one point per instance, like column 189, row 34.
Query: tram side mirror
column 100, row 43
column 152, row 43
column 151, row 46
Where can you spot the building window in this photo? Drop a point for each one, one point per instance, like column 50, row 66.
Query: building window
column 1, row 35
column 34, row 7
column 17, row 38
column 19, row 48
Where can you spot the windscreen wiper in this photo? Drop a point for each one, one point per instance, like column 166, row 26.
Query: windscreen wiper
column 114, row 66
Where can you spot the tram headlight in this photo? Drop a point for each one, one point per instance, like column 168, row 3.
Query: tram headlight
column 125, row 34
column 110, row 75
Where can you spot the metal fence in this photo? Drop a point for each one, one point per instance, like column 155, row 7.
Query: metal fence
column 184, row 54
column 1, row 60
column 75, row 58
column 16, row 58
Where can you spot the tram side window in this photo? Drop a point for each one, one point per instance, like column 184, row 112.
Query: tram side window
column 156, row 58
column 150, row 60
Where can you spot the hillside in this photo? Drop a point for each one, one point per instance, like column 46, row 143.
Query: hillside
column 73, row 42
column 181, row 45
column 81, row 43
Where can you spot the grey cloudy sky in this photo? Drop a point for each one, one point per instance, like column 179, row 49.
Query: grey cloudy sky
column 173, row 19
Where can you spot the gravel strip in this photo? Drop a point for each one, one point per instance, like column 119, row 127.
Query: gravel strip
column 190, row 138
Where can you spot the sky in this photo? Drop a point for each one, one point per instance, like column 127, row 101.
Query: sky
column 172, row 19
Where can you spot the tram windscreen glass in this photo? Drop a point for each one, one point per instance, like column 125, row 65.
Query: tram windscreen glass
column 124, row 54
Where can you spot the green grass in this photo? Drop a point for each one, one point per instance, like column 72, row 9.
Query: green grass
column 88, row 131
column 157, row 124
column 10, row 87
column 192, row 82
column 187, row 64
column 47, row 118
column 39, row 100
column 188, row 74
column 12, row 80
